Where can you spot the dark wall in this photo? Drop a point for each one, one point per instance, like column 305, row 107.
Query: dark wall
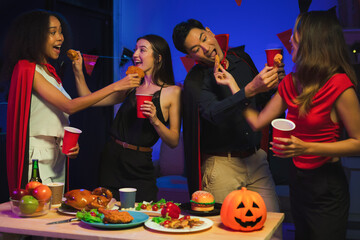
column 91, row 28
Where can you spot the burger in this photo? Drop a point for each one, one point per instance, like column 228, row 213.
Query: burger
column 202, row 201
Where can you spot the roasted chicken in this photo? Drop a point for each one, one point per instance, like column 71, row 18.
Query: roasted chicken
column 84, row 199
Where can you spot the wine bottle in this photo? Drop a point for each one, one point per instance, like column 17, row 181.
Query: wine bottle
column 35, row 173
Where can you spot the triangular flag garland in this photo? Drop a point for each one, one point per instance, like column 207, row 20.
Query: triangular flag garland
column 238, row 2
column 89, row 61
column 285, row 39
column 187, row 62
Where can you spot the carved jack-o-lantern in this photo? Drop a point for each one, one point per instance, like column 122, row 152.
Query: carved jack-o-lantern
column 243, row 210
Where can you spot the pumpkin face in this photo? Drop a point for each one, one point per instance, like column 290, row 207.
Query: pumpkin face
column 243, row 210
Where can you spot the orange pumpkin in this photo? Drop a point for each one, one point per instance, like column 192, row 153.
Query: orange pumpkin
column 243, row 210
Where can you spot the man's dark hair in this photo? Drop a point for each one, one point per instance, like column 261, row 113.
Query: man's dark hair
column 181, row 31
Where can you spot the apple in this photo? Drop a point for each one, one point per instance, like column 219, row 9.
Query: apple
column 17, row 193
column 30, row 186
column 28, row 204
column 42, row 192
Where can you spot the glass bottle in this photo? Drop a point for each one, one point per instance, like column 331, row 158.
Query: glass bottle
column 35, row 173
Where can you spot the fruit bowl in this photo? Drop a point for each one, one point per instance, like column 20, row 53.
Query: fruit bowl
column 29, row 206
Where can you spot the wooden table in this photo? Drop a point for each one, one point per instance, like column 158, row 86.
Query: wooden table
column 10, row 223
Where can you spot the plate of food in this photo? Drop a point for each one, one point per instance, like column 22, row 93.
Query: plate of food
column 80, row 199
column 184, row 224
column 152, row 208
column 202, row 204
column 112, row 219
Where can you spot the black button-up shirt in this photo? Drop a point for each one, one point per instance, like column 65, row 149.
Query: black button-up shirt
column 223, row 127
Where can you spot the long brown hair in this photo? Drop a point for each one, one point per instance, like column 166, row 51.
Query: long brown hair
column 322, row 53
column 163, row 70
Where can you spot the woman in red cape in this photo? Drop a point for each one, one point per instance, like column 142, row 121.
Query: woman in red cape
column 38, row 105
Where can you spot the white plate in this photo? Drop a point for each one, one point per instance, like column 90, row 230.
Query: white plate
column 64, row 211
column 157, row 227
column 149, row 212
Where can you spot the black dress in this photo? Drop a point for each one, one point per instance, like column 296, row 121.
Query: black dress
column 121, row 167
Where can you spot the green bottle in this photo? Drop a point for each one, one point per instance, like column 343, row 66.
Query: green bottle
column 35, row 174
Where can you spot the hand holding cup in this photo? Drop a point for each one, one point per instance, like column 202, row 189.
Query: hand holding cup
column 282, row 128
column 140, row 98
column 71, row 136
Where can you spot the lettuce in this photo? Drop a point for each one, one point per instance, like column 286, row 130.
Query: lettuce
column 93, row 216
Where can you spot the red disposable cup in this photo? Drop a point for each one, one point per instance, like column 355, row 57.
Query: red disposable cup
column 282, row 128
column 140, row 98
column 71, row 137
column 270, row 54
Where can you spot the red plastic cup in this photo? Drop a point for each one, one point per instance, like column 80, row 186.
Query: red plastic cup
column 270, row 54
column 282, row 128
column 71, row 137
column 140, row 98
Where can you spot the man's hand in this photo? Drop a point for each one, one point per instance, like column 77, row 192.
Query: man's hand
column 266, row 80
column 223, row 77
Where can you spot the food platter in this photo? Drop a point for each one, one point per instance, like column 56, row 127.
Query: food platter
column 137, row 208
column 186, row 207
column 157, row 227
column 139, row 218
column 149, row 212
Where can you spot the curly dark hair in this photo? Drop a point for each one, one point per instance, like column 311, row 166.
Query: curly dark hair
column 27, row 37
column 182, row 30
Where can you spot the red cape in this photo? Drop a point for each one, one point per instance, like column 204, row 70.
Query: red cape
column 18, row 113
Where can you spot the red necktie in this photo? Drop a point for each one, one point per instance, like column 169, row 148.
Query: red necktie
column 53, row 72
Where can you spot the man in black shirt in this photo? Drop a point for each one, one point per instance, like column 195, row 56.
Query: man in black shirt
column 230, row 157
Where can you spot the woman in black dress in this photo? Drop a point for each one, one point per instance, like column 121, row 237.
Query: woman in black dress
column 127, row 158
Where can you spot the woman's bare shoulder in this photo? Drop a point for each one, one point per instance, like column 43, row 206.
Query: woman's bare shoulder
column 172, row 89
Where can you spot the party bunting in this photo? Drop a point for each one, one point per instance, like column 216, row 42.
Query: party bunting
column 285, row 39
column 238, row 2
column 89, row 61
column 187, row 62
